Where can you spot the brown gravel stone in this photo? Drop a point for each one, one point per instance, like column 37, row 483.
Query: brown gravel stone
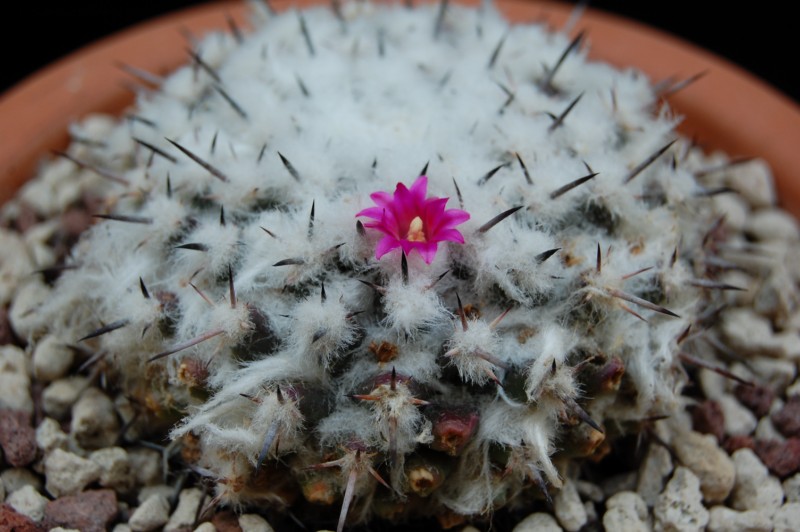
column 708, row 418
column 17, row 437
column 89, row 511
column 226, row 521
column 757, row 398
column 781, row 458
column 11, row 521
column 739, row 441
column 787, row 419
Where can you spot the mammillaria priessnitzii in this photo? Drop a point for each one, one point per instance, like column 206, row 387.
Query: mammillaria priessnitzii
column 418, row 259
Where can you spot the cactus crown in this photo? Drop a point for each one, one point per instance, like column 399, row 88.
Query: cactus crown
column 245, row 281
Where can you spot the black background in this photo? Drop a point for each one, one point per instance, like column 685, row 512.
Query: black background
column 760, row 37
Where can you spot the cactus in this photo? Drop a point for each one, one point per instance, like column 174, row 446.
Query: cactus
column 418, row 260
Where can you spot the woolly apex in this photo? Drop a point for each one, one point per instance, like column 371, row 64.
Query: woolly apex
column 411, row 221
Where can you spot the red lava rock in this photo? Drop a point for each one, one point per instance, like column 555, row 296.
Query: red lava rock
column 781, row 458
column 226, row 521
column 734, row 443
column 787, row 419
column 11, row 521
column 89, row 511
column 757, row 398
column 17, row 437
column 708, row 418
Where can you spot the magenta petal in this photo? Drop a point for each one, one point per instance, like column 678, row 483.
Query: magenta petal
column 428, row 251
column 375, row 213
column 385, row 245
column 419, row 189
column 452, row 235
column 456, row 216
column 381, row 199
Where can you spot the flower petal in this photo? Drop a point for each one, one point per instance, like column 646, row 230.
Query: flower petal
column 381, row 199
column 386, row 244
column 428, row 251
column 452, row 235
column 419, row 189
column 455, row 216
column 375, row 213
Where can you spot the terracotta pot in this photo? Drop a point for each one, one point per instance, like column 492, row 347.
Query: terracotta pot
column 729, row 109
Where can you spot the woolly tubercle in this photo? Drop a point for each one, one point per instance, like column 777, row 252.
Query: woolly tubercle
column 396, row 412
column 322, row 329
column 552, row 346
column 412, row 307
column 473, row 351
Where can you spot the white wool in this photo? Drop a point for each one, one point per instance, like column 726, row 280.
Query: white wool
column 349, row 423
column 472, row 351
column 413, row 307
column 552, row 348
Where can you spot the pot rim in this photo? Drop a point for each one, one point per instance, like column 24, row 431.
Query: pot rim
column 728, row 109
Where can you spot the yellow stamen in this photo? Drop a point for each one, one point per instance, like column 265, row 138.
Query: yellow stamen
column 416, row 232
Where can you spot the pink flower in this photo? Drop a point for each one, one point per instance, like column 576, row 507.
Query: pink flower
column 411, row 221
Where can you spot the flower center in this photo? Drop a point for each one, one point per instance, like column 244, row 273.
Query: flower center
column 416, row 232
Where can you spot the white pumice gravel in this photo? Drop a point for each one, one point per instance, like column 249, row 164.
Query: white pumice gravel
column 254, row 523
column 679, row 507
column 626, row 512
column 29, row 296
column 161, row 490
column 766, row 430
column 185, row 512
column 791, row 488
column 724, row 519
column 115, row 468
column 755, row 488
column 49, row 436
column 14, row 379
column 67, row 473
column 145, row 465
column 152, row 514
column 28, row 501
column 787, row 517
column 15, row 266
column 712, row 383
column 568, row 508
column 51, row 359
column 94, row 421
column 538, row 522
column 16, row 478
column 712, row 466
column 738, row 419
column 60, row 395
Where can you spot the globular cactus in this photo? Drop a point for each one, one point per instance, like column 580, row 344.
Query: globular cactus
column 417, row 259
